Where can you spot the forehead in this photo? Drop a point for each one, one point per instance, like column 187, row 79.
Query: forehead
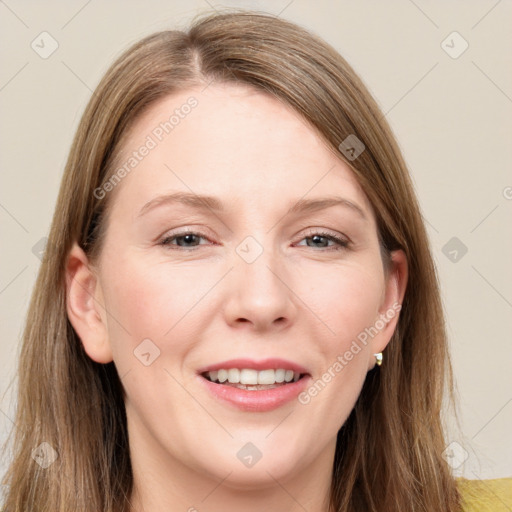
column 236, row 143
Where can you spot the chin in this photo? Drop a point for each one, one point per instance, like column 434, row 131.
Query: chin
column 254, row 462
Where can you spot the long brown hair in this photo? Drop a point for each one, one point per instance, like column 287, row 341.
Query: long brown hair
column 389, row 451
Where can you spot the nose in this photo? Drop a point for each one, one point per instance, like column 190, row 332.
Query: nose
column 259, row 294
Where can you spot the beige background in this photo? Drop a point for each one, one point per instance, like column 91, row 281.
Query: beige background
column 452, row 118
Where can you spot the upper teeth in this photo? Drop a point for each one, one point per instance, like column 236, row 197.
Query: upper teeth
column 249, row 376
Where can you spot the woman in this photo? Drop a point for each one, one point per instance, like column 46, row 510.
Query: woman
column 184, row 349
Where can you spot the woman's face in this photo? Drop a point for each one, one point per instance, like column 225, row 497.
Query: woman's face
column 252, row 279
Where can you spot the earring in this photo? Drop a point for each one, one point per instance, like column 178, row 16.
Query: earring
column 378, row 358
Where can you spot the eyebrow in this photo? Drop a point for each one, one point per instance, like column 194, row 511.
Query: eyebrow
column 204, row 202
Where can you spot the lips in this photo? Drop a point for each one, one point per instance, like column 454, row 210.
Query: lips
column 255, row 386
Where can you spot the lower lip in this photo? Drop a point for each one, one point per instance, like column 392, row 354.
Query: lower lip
column 258, row 400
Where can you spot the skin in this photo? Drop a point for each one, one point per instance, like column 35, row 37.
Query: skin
column 201, row 303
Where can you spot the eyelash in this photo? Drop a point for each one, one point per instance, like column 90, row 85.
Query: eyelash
column 342, row 243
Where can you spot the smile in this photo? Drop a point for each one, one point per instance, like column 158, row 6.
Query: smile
column 255, row 386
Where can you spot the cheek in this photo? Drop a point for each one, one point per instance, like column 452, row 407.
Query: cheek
column 152, row 300
column 347, row 300
column 152, row 329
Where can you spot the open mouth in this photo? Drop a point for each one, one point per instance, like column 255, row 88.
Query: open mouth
column 253, row 380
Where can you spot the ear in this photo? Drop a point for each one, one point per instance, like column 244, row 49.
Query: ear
column 393, row 295
column 85, row 306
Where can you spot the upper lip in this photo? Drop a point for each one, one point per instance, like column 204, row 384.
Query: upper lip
column 263, row 364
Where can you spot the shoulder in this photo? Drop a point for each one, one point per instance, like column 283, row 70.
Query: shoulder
column 486, row 495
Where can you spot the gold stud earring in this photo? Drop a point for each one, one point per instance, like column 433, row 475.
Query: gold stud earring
column 378, row 358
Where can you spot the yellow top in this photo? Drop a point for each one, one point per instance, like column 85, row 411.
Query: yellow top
column 486, row 495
